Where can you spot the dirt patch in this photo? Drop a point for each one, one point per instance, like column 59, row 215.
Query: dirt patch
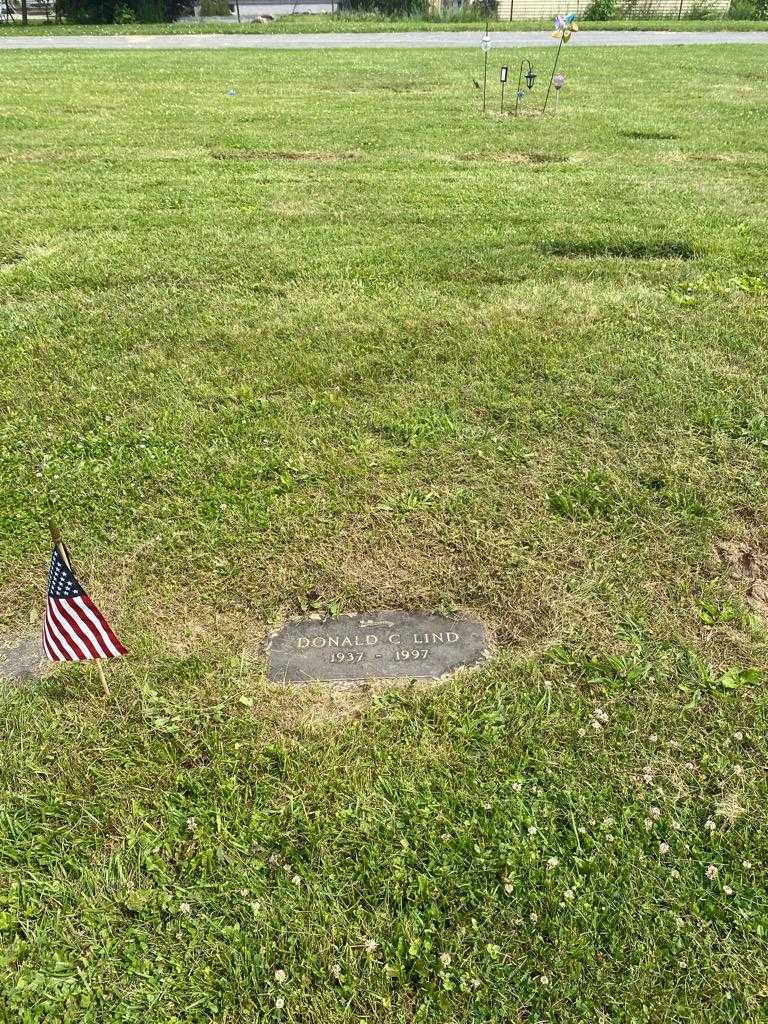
column 629, row 250
column 747, row 562
column 289, row 155
column 545, row 158
column 527, row 159
column 649, row 135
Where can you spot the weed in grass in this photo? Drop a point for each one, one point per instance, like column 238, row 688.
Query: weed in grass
column 592, row 496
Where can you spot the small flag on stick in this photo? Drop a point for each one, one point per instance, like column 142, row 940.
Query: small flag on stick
column 73, row 628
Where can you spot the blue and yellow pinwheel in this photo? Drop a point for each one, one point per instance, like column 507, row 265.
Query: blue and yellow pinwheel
column 565, row 24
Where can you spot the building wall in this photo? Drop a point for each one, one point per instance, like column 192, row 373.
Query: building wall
column 511, row 10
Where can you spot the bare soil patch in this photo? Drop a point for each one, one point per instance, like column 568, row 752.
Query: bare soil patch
column 528, row 159
column 289, row 155
column 747, row 562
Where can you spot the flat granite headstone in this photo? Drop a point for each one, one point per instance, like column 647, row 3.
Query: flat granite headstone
column 376, row 645
column 22, row 659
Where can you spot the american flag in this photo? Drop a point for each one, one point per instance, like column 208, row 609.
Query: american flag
column 74, row 629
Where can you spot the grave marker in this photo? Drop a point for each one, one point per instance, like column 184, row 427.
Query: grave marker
column 386, row 644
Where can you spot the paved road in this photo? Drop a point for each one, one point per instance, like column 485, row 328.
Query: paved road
column 371, row 40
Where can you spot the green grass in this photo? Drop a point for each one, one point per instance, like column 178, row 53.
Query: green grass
column 372, row 23
column 339, row 339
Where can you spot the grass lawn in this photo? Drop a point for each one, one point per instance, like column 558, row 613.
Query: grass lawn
column 340, row 342
column 373, row 23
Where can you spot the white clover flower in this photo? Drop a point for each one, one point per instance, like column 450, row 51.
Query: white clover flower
column 296, row 879
column 552, row 862
column 663, row 848
column 544, row 979
column 532, row 830
column 608, row 821
column 371, row 945
column 674, row 873
column 476, row 983
column 582, row 733
column 547, row 684
column 648, row 824
column 746, row 864
column 728, row 890
column 596, row 725
column 185, row 908
column 709, row 825
column 600, row 715
column 280, row 976
column 738, row 769
column 191, row 824
column 738, row 735
column 445, row 959
column 711, row 872
column 533, row 917
column 516, row 787
column 509, row 889
column 569, row 894
column 655, row 813
column 279, row 1003
column 653, row 738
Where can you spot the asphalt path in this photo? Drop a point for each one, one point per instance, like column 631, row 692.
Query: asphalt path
column 371, row 40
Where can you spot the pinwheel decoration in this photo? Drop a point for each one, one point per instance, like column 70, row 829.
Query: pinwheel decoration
column 565, row 24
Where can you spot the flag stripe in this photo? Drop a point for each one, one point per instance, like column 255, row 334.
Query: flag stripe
column 103, row 630
column 105, row 625
column 79, row 627
column 110, row 651
column 50, row 650
column 59, row 654
column 64, row 649
column 79, row 652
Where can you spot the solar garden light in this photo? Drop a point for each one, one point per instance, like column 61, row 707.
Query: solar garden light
column 530, row 78
column 558, row 81
column 503, row 79
column 485, row 46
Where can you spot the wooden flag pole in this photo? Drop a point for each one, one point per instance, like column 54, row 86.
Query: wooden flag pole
column 57, row 543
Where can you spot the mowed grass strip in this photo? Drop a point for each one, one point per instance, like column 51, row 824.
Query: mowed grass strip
column 337, row 340
column 320, row 23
